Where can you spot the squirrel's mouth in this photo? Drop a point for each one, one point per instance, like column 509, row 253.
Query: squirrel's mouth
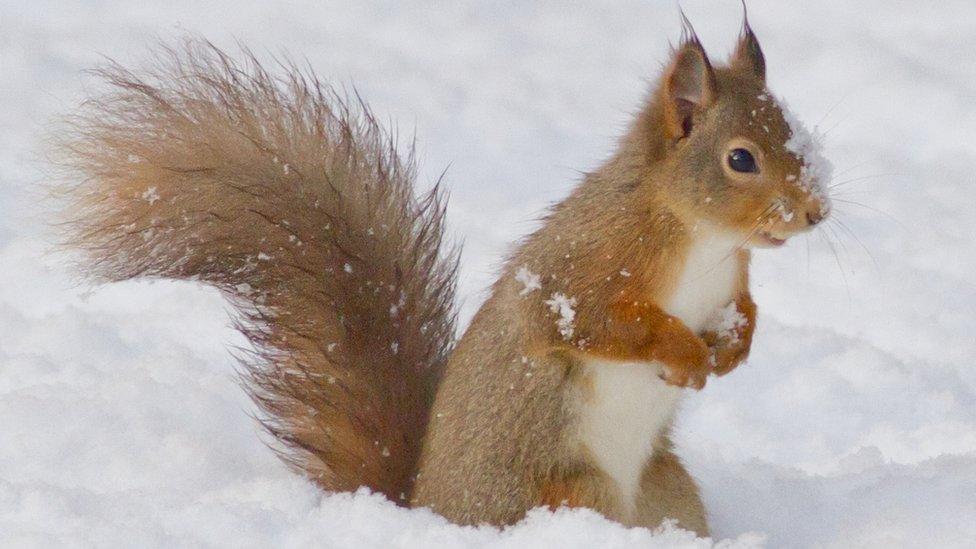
column 767, row 240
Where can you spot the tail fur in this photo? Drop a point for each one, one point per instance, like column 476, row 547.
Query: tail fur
column 296, row 204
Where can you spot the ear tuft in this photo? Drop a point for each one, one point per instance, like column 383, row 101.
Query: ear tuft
column 748, row 55
column 689, row 83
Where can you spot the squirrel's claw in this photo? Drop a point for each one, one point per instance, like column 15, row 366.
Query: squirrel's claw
column 684, row 378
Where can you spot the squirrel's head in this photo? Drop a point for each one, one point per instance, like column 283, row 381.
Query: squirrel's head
column 737, row 157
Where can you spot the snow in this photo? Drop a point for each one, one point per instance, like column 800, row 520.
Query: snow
column 853, row 423
column 530, row 281
column 785, row 212
column 726, row 323
column 150, row 195
column 562, row 306
column 808, row 147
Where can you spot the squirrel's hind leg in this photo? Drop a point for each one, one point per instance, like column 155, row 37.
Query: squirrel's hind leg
column 586, row 487
column 669, row 492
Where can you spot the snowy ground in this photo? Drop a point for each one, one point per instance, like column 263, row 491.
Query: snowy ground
column 853, row 424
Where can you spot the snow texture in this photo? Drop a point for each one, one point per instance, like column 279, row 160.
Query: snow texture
column 530, row 281
column 853, row 423
column 727, row 323
column 808, row 147
column 562, row 306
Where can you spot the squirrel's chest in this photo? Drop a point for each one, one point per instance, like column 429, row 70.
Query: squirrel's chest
column 707, row 281
column 628, row 406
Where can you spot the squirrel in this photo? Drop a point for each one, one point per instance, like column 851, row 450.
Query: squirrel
column 292, row 200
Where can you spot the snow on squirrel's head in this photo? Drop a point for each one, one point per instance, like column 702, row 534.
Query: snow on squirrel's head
column 738, row 159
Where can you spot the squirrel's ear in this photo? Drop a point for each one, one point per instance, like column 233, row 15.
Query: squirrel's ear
column 748, row 56
column 689, row 83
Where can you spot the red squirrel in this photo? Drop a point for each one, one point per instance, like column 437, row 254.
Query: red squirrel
column 294, row 202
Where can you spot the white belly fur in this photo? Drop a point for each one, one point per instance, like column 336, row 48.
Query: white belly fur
column 630, row 405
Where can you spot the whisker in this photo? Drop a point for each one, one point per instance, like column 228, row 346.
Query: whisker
column 850, row 169
column 853, row 235
column 806, row 240
column 761, row 220
column 847, row 287
column 873, row 209
column 834, row 185
column 850, row 192
column 843, row 247
column 832, row 128
column 832, row 107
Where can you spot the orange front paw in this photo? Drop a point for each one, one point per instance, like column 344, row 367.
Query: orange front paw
column 690, row 367
column 730, row 336
column 727, row 354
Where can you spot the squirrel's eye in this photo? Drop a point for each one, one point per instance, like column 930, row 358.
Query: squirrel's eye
column 741, row 160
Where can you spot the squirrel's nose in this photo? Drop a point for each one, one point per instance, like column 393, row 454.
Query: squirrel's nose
column 814, row 217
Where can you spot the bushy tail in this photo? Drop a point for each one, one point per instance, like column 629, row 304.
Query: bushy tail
column 295, row 203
